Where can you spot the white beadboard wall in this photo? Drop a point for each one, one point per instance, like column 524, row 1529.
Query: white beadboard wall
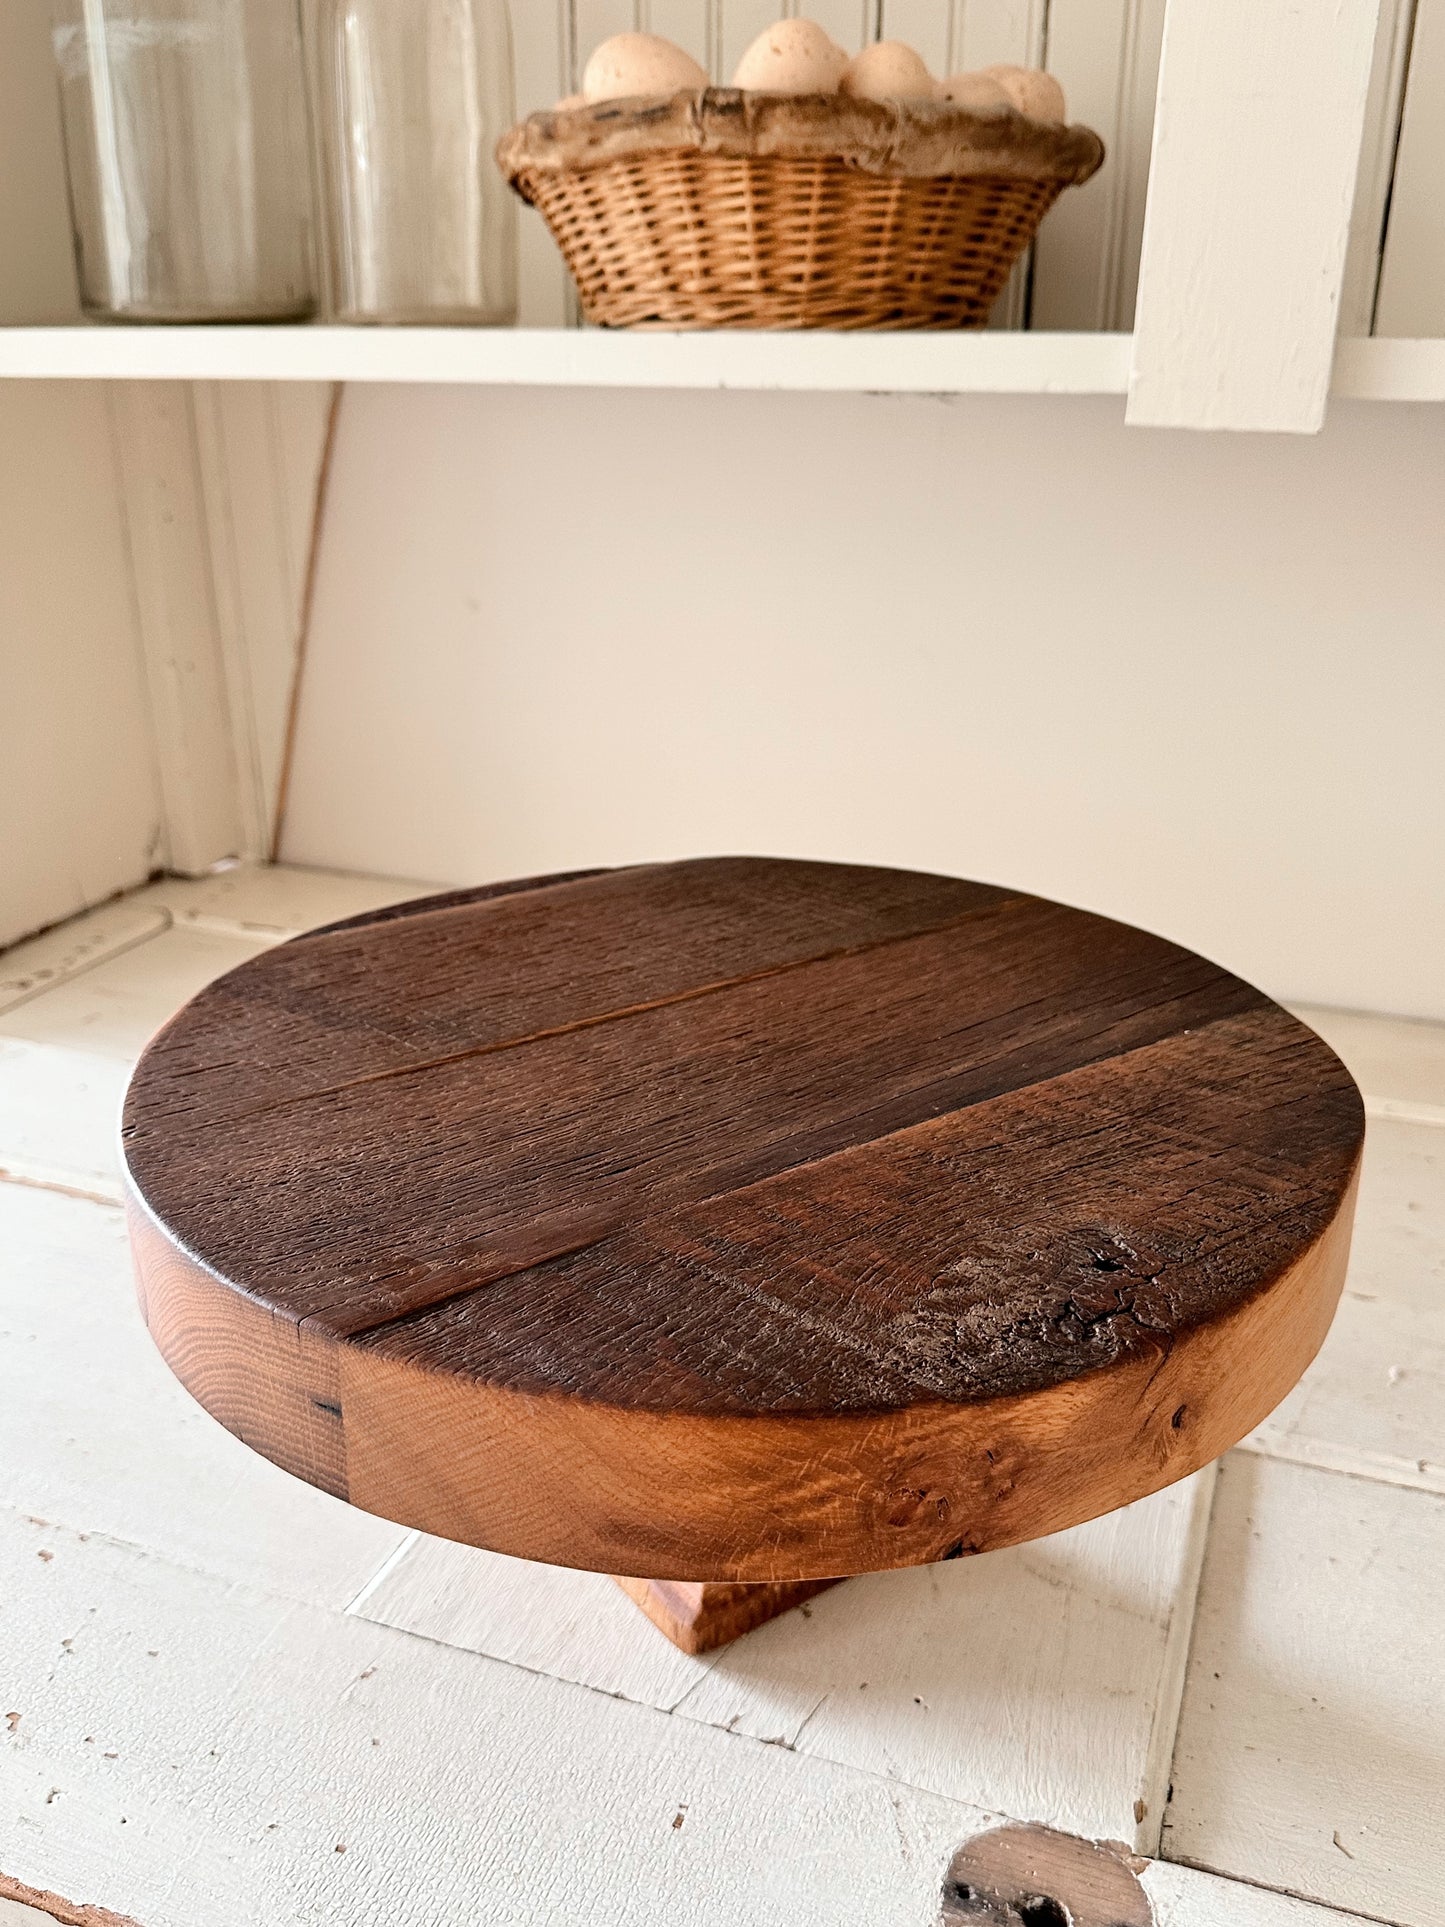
column 1106, row 52
column 1194, row 682
column 1083, row 273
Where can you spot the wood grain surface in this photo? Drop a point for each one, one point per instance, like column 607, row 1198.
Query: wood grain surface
column 700, row 1616
column 738, row 1219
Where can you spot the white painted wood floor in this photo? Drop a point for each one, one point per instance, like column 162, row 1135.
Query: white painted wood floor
column 229, row 1701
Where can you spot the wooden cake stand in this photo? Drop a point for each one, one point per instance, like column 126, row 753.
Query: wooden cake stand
column 737, row 1225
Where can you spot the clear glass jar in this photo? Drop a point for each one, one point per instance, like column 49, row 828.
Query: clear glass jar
column 412, row 97
column 188, row 156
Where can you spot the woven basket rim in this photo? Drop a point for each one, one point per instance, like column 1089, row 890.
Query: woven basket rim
column 923, row 139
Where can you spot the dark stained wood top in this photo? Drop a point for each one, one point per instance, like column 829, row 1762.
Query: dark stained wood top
column 740, row 1138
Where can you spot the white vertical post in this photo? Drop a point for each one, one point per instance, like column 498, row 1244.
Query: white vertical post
column 1377, row 164
column 261, row 448
column 1257, row 136
column 159, row 465
column 219, row 492
column 1412, row 279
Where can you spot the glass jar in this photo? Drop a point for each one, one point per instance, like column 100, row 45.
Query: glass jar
column 412, row 97
column 188, row 158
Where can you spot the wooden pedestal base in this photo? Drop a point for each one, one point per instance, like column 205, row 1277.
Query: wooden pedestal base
column 698, row 1615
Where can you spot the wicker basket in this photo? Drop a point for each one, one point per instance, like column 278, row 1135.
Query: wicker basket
column 729, row 210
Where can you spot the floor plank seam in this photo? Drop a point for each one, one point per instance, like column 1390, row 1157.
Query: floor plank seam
column 84, row 968
column 1329, row 1909
column 34, row 1181
column 238, row 927
column 707, row 1662
column 393, row 1559
column 1163, row 1740
column 170, row 1563
column 400, row 1322
column 392, row 1073
column 1366, row 1475
column 807, row 1720
column 1398, row 1110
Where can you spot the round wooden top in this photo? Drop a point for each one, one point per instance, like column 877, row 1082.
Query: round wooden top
column 738, row 1219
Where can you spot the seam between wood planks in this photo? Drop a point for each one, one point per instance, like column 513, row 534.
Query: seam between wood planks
column 214, row 926
column 1398, row 1110
column 577, row 1024
column 38, row 1178
column 393, row 1559
column 434, row 901
column 208, row 922
column 197, row 1569
column 1331, row 1471
column 314, row 1320
column 1167, row 1700
column 1328, row 1909
column 105, row 956
column 320, row 498
column 1343, row 1463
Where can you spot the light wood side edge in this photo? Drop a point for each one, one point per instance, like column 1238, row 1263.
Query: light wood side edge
column 657, row 1495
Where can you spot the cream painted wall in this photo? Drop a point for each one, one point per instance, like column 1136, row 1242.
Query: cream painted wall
column 1194, row 681
column 37, row 268
column 80, row 807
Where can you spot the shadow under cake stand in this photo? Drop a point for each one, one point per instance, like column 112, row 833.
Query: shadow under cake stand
column 738, row 1225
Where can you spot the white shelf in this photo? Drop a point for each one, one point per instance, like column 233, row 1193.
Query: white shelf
column 919, row 363
column 972, row 363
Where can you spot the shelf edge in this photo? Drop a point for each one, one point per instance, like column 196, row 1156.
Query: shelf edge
column 975, row 363
column 981, row 363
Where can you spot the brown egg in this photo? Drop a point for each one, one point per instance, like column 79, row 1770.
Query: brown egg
column 980, row 93
column 1032, row 91
column 888, row 70
column 639, row 64
column 792, row 57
